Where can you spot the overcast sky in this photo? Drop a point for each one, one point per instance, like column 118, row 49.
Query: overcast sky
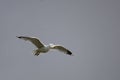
column 89, row 28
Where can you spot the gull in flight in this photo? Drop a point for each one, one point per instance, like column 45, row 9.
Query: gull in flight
column 41, row 48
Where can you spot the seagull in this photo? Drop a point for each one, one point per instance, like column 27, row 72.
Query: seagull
column 41, row 48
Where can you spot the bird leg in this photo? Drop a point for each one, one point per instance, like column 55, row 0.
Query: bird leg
column 36, row 52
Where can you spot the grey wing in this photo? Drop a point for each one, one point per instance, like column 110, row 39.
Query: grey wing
column 63, row 49
column 35, row 41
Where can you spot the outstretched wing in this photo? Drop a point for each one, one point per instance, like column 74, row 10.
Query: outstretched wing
column 35, row 41
column 63, row 49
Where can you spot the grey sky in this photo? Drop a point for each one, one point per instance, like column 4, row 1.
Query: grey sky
column 89, row 28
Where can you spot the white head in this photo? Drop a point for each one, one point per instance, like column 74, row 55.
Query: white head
column 51, row 45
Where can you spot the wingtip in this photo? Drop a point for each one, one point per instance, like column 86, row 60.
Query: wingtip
column 69, row 53
column 17, row 36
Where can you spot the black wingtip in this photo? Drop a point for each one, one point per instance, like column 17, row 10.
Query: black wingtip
column 18, row 36
column 69, row 53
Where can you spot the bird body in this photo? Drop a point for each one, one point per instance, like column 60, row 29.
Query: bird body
column 44, row 48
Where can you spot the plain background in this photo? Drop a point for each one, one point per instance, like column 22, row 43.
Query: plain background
column 89, row 28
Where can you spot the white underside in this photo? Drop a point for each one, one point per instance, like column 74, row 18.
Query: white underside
column 41, row 50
